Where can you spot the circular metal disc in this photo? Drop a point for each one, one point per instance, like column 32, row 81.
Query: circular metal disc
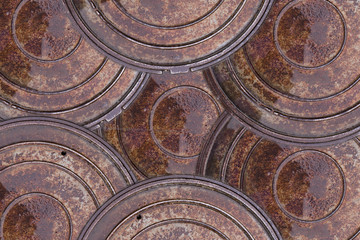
column 48, row 69
column 309, row 193
column 53, row 177
column 168, row 35
column 297, row 79
column 164, row 129
column 179, row 207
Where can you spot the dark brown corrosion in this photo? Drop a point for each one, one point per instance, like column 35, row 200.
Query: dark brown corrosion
column 168, row 35
column 163, row 131
column 309, row 193
column 53, row 176
column 47, row 69
column 179, row 207
column 297, row 78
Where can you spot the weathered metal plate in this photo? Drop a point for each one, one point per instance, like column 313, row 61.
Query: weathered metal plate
column 164, row 129
column 48, row 69
column 168, row 35
column 53, row 177
column 309, row 193
column 297, row 79
column 179, row 207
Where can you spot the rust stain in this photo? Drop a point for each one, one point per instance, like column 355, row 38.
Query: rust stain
column 164, row 35
column 48, row 69
column 164, row 130
column 309, row 192
column 297, row 78
column 52, row 180
column 179, row 207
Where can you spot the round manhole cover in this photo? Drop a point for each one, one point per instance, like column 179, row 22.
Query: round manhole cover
column 48, row 69
column 168, row 35
column 53, row 177
column 164, row 129
column 297, row 79
column 302, row 189
column 179, row 207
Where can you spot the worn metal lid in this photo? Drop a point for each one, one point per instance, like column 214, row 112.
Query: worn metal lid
column 164, row 129
column 297, row 79
column 309, row 192
column 176, row 207
column 168, row 35
column 53, row 177
column 48, row 69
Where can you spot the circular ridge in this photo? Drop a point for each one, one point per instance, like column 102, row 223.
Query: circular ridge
column 318, row 193
column 157, row 64
column 176, row 181
column 70, row 164
column 292, row 4
column 82, row 86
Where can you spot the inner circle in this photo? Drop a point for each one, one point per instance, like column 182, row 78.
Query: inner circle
column 310, row 33
column 36, row 216
column 180, row 120
column 43, row 31
column 160, row 13
column 309, row 186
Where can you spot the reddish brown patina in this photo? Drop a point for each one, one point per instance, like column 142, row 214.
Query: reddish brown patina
column 163, row 131
column 53, row 177
column 297, row 79
column 309, row 192
column 179, row 207
column 48, row 69
column 156, row 35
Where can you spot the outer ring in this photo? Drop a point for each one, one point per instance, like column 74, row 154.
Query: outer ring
column 266, row 132
column 188, row 180
column 220, row 55
column 87, row 134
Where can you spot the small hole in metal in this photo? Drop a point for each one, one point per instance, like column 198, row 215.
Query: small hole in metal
column 138, row 217
column 63, row 153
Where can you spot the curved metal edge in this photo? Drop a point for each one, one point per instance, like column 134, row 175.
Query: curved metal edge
column 210, row 60
column 216, row 129
column 220, row 187
column 133, row 92
column 118, row 160
column 265, row 132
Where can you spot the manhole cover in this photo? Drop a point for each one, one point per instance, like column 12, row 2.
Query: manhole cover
column 53, row 177
column 168, row 35
column 302, row 189
column 164, row 129
column 179, row 207
column 297, row 79
column 48, row 69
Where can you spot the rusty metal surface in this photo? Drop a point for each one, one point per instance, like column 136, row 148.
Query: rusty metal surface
column 297, row 79
column 53, row 177
column 164, row 129
column 168, row 35
column 309, row 192
column 277, row 122
column 48, row 69
column 179, row 207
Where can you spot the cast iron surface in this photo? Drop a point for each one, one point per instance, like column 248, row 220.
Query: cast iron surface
column 53, row 177
column 163, row 131
column 48, row 69
column 309, row 192
column 297, row 79
column 179, row 207
column 179, row 36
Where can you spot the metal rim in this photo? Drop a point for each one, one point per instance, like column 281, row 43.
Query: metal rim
column 265, row 132
column 160, row 68
column 128, row 175
column 187, row 180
